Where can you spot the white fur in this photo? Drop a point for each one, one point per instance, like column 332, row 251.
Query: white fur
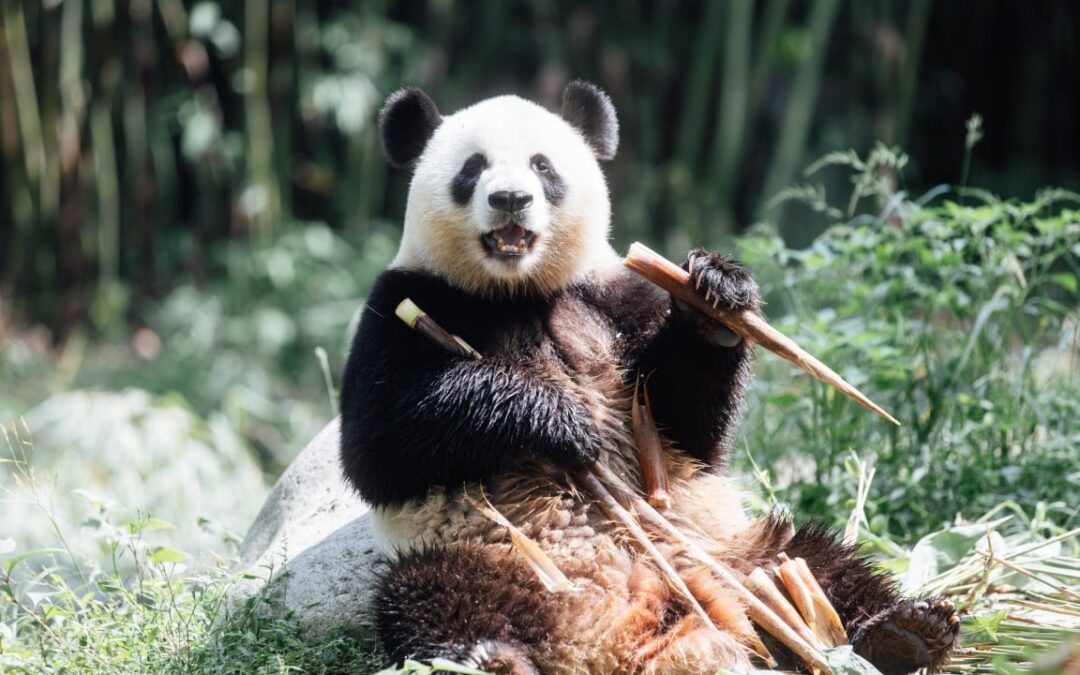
column 444, row 238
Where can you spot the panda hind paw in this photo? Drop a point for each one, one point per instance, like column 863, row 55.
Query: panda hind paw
column 911, row 635
column 723, row 282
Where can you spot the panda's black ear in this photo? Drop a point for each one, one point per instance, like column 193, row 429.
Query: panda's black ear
column 586, row 107
column 406, row 122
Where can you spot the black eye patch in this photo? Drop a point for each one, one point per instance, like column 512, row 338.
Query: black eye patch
column 464, row 183
column 553, row 184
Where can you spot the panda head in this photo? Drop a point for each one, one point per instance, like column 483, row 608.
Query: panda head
column 506, row 197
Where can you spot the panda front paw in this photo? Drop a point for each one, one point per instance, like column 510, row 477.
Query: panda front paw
column 723, row 283
column 913, row 634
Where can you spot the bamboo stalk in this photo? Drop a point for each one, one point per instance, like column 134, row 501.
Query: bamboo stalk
column 759, row 612
column 654, row 474
column 675, row 280
column 811, row 600
column 418, row 320
column 542, row 565
column 759, row 583
column 611, row 506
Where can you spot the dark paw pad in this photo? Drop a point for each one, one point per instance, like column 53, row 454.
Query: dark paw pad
column 912, row 635
column 501, row 658
column 724, row 283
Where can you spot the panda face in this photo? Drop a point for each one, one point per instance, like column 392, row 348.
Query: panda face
column 506, row 197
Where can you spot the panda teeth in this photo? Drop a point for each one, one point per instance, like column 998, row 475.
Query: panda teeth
column 516, row 248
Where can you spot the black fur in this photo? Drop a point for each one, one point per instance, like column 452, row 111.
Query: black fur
column 896, row 635
column 414, row 415
column 406, row 122
column 586, row 107
column 553, row 183
column 464, row 183
column 461, row 603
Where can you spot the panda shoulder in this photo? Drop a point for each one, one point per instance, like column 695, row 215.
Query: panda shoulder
column 425, row 289
column 623, row 295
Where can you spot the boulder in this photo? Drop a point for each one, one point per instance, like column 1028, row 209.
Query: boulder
column 311, row 548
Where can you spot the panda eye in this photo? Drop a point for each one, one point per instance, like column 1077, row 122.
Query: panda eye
column 474, row 165
column 541, row 165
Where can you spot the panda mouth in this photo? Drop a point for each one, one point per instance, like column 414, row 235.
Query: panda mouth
column 509, row 241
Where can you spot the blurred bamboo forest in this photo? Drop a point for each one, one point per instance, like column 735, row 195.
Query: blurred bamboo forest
column 137, row 136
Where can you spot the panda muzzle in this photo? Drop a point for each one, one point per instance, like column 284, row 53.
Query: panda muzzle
column 511, row 240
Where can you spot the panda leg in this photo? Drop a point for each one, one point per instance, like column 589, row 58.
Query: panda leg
column 466, row 603
column 897, row 635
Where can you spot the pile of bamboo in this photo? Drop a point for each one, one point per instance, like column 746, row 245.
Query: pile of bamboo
column 802, row 619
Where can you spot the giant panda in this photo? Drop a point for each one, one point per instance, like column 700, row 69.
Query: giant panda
column 505, row 244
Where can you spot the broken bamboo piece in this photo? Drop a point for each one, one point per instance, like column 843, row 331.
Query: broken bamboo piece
column 760, row 584
column 418, row 320
column 675, row 280
column 810, row 598
column 758, row 611
column 542, row 565
column 654, row 474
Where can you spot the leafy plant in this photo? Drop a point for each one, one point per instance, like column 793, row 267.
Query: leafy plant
column 960, row 320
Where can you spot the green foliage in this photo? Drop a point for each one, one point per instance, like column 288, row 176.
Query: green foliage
column 253, row 348
column 160, row 618
column 93, row 451
column 960, row 319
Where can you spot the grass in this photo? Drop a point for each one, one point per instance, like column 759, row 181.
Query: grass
column 143, row 607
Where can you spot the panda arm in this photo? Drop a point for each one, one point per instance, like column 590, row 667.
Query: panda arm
column 414, row 415
column 696, row 384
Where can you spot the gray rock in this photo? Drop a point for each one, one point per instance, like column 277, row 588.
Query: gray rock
column 311, row 548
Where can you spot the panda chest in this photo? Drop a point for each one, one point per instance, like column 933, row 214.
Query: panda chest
column 565, row 341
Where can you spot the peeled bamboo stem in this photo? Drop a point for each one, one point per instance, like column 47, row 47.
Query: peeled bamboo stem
column 615, row 510
column 675, row 280
column 758, row 611
column 654, row 474
column 811, row 600
column 541, row 563
column 759, row 583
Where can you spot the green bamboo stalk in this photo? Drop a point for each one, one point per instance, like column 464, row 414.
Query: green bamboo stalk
column 260, row 133
column 174, row 18
column 768, row 34
column 698, row 85
column 789, row 148
column 108, row 192
column 26, row 101
column 731, row 122
column 915, row 31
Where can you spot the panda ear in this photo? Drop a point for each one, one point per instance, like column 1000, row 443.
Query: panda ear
column 406, row 122
column 586, row 107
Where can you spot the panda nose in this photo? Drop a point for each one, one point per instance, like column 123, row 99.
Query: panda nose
column 506, row 200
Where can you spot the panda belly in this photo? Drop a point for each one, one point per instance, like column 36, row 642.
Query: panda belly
column 622, row 615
